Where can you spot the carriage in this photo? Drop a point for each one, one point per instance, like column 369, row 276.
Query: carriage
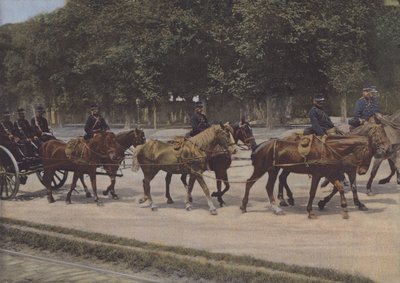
column 14, row 173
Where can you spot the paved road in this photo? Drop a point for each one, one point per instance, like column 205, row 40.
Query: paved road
column 21, row 267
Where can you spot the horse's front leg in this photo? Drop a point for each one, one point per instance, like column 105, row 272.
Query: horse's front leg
column 168, row 178
column 283, row 184
column 393, row 170
column 353, row 184
column 374, row 170
column 75, row 178
column 48, row 176
column 213, row 210
column 313, row 189
column 92, row 176
column 85, row 188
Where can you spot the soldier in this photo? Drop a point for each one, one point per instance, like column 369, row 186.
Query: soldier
column 40, row 126
column 8, row 136
column 29, row 141
column 199, row 120
column 95, row 123
column 321, row 124
column 366, row 106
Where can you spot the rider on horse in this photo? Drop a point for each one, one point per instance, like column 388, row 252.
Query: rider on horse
column 199, row 120
column 366, row 106
column 321, row 124
column 95, row 123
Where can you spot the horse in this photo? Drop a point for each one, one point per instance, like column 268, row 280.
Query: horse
column 103, row 146
column 392, row 124
column 325, row 159
column 219, row 162
column 186, row 157
column 125, row 140
column 380, row 144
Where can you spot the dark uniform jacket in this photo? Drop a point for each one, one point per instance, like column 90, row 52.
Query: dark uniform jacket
column 199, row 123
column 7, row 128
column 24, row 129
column 320, row 121
column 95, row 124
column 43, row 125
column 363, row 110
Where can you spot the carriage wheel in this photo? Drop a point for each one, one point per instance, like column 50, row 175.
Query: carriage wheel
column 59, row 178
column 9, row 174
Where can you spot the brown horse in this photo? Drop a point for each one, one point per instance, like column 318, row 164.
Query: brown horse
column 125, row 140
column 380, row 145
column 102, row 147
column 219, row 162
column 325, row 159
column 187, row 157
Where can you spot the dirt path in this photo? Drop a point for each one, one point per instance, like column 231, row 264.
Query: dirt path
column 367, row 243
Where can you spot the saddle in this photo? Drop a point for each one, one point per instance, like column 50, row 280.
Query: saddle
column 177, row 143
column 77, row 151
column 304, row 146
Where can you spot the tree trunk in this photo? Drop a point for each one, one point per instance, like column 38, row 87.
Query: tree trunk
column 269, row 112
column 128, row 119
column 154, row 116
column 343, row 108
column 60, row 118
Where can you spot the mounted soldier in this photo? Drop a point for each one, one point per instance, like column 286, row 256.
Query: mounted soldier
column 8, row 137
column 199, row 120
column 29, row 141
column 321, row 124
column 95, row 123
column 366, row 107
column 40, row 125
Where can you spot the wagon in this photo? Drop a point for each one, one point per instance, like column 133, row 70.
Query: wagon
column 14, row 173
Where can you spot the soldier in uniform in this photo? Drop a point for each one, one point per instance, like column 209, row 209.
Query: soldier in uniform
column 29, row 141
column 199, row 120
column 366, row 107
column 321, row 124
column 95, row 122
column 8, row 136
column 40, row 125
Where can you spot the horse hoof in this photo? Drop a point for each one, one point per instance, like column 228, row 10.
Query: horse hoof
column 213, row 212
column 170, row 201
column 243, row 209
column 312, row 215
column 291, row 202
column 142, row 200
column 115, row 196
column 362, row 207
column 188, row 208
column 345, row 215
column 370, row 193
column 88, row 195
column 154, row 208
column 105, row 193
column 51, row 199
column 321, row 205
column 383, row 181
column 68, row 201
column 215, row 194
column 283, row 203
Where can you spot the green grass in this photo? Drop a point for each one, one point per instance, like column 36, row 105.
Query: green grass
column 137, row 255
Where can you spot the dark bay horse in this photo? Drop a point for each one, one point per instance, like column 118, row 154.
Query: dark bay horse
column 219, row 162
column 380, row 145
column 188, row 157
column 125, row 140
column 102, row 147
column 325, row 159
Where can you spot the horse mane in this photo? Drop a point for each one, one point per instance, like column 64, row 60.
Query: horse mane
column 205, row 137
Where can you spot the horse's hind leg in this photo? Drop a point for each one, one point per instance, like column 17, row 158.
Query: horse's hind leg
column 212, row 209
column 85, row 188
column 353, row 184
column 75, row 178
column 221, row 175
column 313, row 190
column 92, row 176
column 168, row 178
column 272, row 174
column 392, row 172
column 343, row 201
column 148, row 176
column 283, row 184
column 374, row 170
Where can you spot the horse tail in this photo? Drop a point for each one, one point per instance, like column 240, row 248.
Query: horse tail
column 135, row 161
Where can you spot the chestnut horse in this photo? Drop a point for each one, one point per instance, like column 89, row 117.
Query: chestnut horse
column 125, row 140
column 380, row 145
column 325, row 159
column 219, row 163
column 102, row 147
column 187, row 157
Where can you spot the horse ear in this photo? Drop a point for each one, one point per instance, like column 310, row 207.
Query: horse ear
column 222, row 125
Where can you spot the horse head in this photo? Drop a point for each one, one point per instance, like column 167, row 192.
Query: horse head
column 138, row 137
column 224, row 137
column 244, row 133
column 105, row 145
column 362, row 153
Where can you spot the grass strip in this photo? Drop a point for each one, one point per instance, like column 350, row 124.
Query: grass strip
column 191, row 262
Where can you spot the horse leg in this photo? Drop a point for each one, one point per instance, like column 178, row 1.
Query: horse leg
column 85, row 188
column 343, row 201
column 148, row 176
column 192, row 180
column 353, row 184
column 392, row 172
column 212, row 209
column 314, row 185
column 374, row 170
column 75, row 178
column 323, row 202
column 272, row 175
column 47, row 178
column 92, row 176
column 257, row 173
column 221, row 175
column 282, row 182
column 168, row 178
